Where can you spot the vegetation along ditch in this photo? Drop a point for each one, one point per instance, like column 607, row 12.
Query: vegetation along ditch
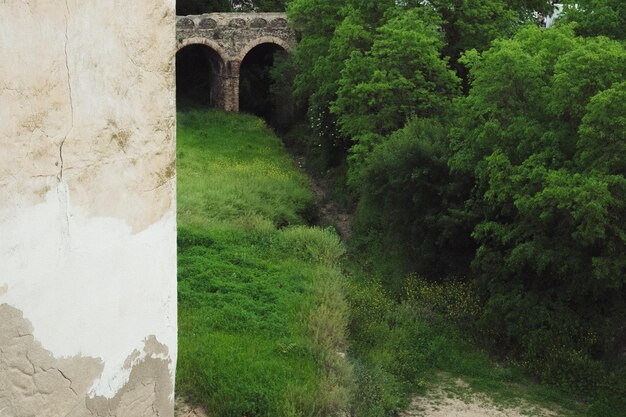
column 479, row 159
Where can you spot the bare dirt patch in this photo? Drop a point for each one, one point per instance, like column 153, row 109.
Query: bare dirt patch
column 182, row 409
column 329, row 212
column 439, row 402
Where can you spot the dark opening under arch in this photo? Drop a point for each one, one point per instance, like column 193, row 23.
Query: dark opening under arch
column 199, row 77
column 255, row 95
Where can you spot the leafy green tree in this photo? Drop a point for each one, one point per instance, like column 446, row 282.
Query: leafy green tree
column 535, row 130
column 473, row 24
column 260, row 5
column 597, row 17
column 185, row 7
column 402, row 75
column 315, row 21
column 330, row 31
column 336, row 35
column 413, row 203
column 601, row 142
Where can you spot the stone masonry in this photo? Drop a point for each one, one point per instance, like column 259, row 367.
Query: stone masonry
column 232, row 36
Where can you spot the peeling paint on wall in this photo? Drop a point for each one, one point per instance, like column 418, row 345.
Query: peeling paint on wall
column 87, row 208
column 35, row 383
column 107, row 287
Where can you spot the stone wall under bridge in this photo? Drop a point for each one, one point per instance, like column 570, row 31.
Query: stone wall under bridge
column 232, row 36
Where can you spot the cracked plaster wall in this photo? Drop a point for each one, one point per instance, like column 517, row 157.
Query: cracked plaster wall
column 87, row 208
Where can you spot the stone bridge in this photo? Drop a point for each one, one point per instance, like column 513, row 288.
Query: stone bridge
column 231, row 36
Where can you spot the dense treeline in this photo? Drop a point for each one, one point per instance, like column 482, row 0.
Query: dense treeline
column 185, row 7
column 486, row 149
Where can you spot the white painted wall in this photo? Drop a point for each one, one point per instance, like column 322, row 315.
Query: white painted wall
column 87, row 182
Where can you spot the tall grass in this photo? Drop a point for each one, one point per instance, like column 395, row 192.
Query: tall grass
column 262, row 316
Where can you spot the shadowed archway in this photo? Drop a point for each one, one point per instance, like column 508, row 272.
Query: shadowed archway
column 255, row 95
column 199, row 77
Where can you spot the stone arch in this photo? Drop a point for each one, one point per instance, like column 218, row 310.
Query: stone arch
column 255, row 61
column 212, row 74
column 261, row 40
column 204, row 41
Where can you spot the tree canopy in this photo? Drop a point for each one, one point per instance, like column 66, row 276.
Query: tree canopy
column 492, row 151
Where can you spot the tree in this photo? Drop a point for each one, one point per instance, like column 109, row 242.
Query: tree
column 535, row 132
column 330, row 31
column 186, row 7
column 259, row 5
column 414, row 204
column 597, row 17
column 402, row 75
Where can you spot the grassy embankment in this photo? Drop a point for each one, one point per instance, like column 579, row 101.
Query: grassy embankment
column 261, row 308
column 262, row 314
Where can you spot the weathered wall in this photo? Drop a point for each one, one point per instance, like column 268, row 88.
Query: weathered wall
column 87, row 208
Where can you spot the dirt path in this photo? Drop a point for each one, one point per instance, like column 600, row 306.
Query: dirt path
column 329, row 212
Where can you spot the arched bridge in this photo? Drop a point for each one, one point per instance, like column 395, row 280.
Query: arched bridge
column 231, row 36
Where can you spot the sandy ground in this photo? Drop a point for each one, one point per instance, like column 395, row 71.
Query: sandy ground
column 439, row 403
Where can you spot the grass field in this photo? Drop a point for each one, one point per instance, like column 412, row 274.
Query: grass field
column 261, row 307
column 266, row 302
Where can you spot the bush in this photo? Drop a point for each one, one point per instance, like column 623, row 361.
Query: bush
column 410, row 197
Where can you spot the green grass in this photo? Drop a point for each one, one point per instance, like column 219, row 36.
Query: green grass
column 261, row 310
column 265, row 311
column 407, row 344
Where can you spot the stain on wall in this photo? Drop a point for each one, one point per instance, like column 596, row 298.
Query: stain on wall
column 87, row 208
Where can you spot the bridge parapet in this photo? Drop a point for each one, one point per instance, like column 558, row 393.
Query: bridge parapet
column 232, row 35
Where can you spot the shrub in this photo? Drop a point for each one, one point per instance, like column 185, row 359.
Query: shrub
column 409, row 195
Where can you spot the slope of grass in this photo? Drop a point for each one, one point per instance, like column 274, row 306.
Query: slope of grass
column 261, row 307
column 409, row 337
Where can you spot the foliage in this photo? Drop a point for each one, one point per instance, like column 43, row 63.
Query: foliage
column 261, row 302
column 408, row 346
column 597, row 17
column 286, row 110
column 330, row 31
column 185, row 7
column 453, row 300
column 473, row 24
column 521, row 191
column 259, row 5
column 400, row 76
column 551, row 261
column 359, row 58
column 410, row 196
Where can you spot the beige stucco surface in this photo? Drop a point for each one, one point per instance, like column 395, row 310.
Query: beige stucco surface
column 87, row 208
